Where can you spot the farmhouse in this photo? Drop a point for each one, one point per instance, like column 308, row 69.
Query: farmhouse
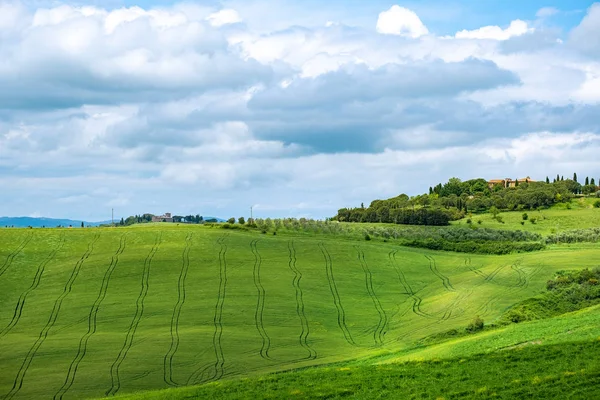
column 507, row 182
column 162, row 218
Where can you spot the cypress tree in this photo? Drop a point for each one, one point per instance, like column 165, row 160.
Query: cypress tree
column 593, row 182
column 516, row 182
column 557, row 178
column 547, row 180
column 575, row 176
column 587, row 180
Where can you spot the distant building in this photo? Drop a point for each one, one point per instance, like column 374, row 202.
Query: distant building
column 507, row 182
column 162, row 218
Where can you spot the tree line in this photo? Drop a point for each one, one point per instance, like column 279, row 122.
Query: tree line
column 455, row 199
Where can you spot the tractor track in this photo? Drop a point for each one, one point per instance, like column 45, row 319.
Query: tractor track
column 168, row 360
column 11, row 256
column 260, row 303
column 139, row 312
column 198, row 376
column 445, row 280
column 34, row 284
column 312, row 354
column 18, row 382
column 380, row 330
column 341, row 314
column 417, row 300
column 92, row 321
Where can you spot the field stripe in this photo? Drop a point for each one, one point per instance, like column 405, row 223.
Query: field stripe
column 34, row 284
column 341, row 318
column 18, row 382
column 445, row 280
column 383, row 321
column 139, row 311
column 92, row 319
column 417, row 300
column 218, row 366
column 10, row 258
column 312, row 354
column 260, row 303
column 168, row 361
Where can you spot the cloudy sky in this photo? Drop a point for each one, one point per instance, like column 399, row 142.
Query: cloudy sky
column 291, row 106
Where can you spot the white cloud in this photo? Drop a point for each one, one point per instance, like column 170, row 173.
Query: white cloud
column 546, row 12
column 96, row 102
column 224, row 17
column 401, row 21
column 516, row 28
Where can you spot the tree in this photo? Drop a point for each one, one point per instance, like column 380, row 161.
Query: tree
column 547, row 180
column 122, row 221
column 587, row 180
column 593, row 182
column 231, row 220
column 241, row 220
column 575, row 176
column 516, row 182
column 494, row 211
column 82, row 224
column 557, row 178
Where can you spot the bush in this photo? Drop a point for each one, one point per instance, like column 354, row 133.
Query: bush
column 522, row 222
column 525, row 216
column 469, row 221
column 475, row 325
column 367, row 236
column 597, row 203
column 479, row 221
column 533, row 220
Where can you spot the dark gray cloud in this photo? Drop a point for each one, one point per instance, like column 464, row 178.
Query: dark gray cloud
column 358, row 83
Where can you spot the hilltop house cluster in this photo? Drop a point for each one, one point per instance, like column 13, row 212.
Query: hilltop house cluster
column 507, row 182
column 167, row 217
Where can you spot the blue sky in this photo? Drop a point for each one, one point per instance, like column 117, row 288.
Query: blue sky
column 294, row 108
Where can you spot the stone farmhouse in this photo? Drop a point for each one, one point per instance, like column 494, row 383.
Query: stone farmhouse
column 507, row 182
column 162, row 218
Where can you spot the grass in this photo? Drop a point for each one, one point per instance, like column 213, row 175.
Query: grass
column 89, row 312
column 558, row 218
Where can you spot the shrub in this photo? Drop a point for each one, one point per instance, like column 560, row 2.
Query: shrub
column 469, row 221
column 597, row 203
column 499, row 219
column 525, row 216
column 479, row 221
column 522, row 222
column 475, row 325
column 367, row 236
column 533, row 220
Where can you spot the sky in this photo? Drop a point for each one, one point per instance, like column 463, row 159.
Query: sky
column 292, row 107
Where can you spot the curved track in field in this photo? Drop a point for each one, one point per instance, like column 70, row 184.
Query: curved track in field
column 341, row 318
column 139, row 311
column 417, row 300
column 200, row 375
column 434, row 269
column 168, row 360
column 380, row 330
column 92, row 321
column 11, row 256
column 260, row 303
column 22, row 372
column 312, row 354
column 34, row 284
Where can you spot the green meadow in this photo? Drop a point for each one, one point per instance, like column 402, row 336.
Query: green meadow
column 87, row 313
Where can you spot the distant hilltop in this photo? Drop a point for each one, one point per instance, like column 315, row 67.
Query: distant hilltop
column 24, row 222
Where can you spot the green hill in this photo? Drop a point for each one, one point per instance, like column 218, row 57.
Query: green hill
column 105, row 311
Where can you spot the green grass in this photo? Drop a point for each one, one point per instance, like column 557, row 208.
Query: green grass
column 89, row 312
column 558, row 218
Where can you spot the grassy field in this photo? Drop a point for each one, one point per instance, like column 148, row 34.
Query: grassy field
column 94, row 312
column 580, row 215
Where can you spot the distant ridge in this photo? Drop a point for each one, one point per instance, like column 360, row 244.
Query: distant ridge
column 23, row 222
